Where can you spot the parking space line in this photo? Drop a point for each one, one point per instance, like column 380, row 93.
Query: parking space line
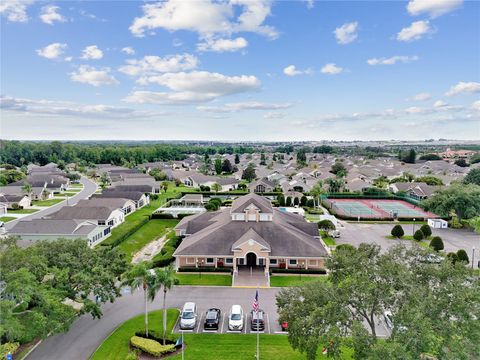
column 200, row 323
column 268, row 323
column 223, row 323
column 177, row 326
column 245, row 324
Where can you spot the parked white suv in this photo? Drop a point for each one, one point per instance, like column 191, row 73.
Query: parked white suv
column 188, row 318
column 235, row 318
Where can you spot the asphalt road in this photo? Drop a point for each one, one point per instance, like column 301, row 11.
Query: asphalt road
column 89, row 187
column 453, row 239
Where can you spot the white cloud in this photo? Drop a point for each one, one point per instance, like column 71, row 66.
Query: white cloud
column 331, row 69
column 222, row 45
column 67, row 108
column 274, row 115
column 49, row 15
column 439, row 103
column 52, row 51
column 422, row 96
column 89, row 75
column 92, row 52
column 15, row 10
column 205, row 17
column 464, row 88
column 434, row 8
column 152, row 65
column 392, row 60
column 476, row 105
column 346, row 33
column 415, row 31
column 241, row 106
column 291, row 70
column 128, row 50
column 192, row 87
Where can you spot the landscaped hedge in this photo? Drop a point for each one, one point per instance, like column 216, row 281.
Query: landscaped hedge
column 117, row 241
column 150, row 346
column 204, row 269
column 157, row 336
column 297, row 271
column 313, row 211
column 161, row 216
column 181, row 216
column 165, row 257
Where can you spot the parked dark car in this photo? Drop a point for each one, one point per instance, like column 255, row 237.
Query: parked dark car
column 258, row 320
column 212, row 319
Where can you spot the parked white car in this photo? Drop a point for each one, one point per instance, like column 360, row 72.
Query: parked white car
column 188, row 318
column 235, row 318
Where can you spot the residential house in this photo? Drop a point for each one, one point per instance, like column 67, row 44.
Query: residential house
column 127, row 206
column 139, row 198
column 101, row 215
column 417, row 190
column 261, row 186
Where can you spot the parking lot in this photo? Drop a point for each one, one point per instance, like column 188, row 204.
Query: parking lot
column 271, row 327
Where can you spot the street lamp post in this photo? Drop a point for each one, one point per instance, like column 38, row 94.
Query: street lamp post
column 413, row 227
column 301, row 268
column 473, row 256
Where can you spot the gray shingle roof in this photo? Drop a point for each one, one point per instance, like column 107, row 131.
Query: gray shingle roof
column 81, row 212
column 52, row 227
column 240, row 204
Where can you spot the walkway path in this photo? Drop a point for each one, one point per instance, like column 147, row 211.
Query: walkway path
column 150, row 250
column 250, row 277
column 89, row 187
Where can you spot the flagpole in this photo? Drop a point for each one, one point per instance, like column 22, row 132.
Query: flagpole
column 182, row 344
column 258, row 333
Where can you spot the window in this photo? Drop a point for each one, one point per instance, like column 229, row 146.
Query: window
column 292, row 262
column 241, row 261
column 312, row 262
column 273, row 261
column 101, row 222
column 209, row 260
column 228, row 261
column 190, row 260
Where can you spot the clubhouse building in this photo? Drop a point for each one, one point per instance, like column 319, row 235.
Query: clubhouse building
column 252, row 233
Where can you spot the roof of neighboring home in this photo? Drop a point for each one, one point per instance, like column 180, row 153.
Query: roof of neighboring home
column 82, row 213
column 34, row 183
column 192, row 197
column 111, row 203
column 130, row 187
column 6, row 198
column 52, row 227
column 226, row 181
column 112, row 193
column 215, row 233
column 12, row 190
column 240, row 204
column 419, row 188
column 263, row 181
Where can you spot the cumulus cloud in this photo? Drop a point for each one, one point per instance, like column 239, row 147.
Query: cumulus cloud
column 92, row 52
column 433, row 8
column 476, row 105
column 193, row 87
column 222, row 45
column 241, row 106
column 52, row 51
column 128, row 50
column 89, row 75
column 464, row 88
column 67, row 108
column 274, row 115
column 422, row 96
column 331, row 69
column 206, row 17
column 152, row 65
column 50, row 14
column 15, row 10
column 346, row 33
column 439, row 103
column 291, row 70
column 415, row 31
column 392, row 60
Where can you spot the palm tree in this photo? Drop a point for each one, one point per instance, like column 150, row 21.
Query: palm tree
column 317, row 191
column 142, row 276
column 216, row 187
column 27, row 188
column 166, row 278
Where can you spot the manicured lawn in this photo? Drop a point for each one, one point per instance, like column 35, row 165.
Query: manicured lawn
column 204, row 279
column 48, row 202
column 76, row 185
column 152, row 230
column 116, row 346
column 328, row 240
column 66, row 193
column 242, row 347
column 7, row 218
column 293, row 280
column 23, row 211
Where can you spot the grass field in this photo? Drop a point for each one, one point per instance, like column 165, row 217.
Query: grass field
column 205, row 279
column 23, row 211
column 152, row 230
column 132, row 220
column 293, row 280
column 48, row 202
column 116, row 346
column 78, row 186
column 66, row 193
column 242, row 347
column 7, row 218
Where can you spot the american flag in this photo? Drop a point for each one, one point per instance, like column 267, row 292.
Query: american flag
column 255, row 302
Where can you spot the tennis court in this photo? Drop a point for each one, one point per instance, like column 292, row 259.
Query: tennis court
column 378, row 209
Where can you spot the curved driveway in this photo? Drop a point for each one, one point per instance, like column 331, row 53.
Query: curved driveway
column 89, row 187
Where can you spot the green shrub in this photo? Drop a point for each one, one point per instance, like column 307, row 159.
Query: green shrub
column 16, row 206
column 312, row 210
column 298, row 271
column 326, row 225
column 462, row 256
column 9, row 347
column 419, row 235
column 397, row 231
column 452, row 257
column 161, row 216
column 132, row 355
column 165, row 257
column 157, row 336
column 151, row 347
column 205, row 269
column 437, row 243
column 426, row 230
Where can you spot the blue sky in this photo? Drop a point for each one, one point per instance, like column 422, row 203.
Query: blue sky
column 240, row 70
